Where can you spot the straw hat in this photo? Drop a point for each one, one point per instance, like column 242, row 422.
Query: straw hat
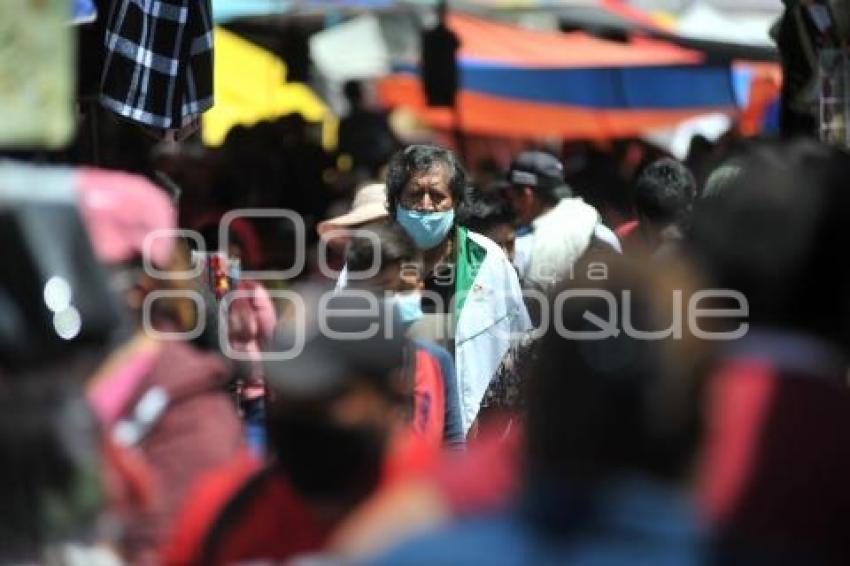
column 370, row 203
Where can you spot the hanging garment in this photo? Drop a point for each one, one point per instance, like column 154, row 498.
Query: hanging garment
column 158, row 68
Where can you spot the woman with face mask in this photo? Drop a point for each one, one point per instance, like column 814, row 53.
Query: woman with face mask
column 471, row 297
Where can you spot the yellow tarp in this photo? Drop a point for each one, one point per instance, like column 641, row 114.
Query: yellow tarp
column 249, row 87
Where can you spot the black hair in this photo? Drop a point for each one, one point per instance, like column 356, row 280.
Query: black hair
column 488, row 209
column 665, row 192
column 776, row 236
column 720, row 180
column 416, row 159
column 394, row 246
column 598, row 408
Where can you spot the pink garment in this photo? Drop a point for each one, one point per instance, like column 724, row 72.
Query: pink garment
column 126, row 216
column 250, row 324
column 110, row 396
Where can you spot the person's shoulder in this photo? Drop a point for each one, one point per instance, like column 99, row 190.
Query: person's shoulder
column 203, row 505
column 482, row 240
column 185, row 368
column 435, row 350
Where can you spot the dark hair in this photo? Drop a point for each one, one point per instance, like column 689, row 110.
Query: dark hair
column 394, row 246
column 488, row 209
column 720, row 180
column 665, row 192
column 776, row 235
column 418, row 159
column 602, row 407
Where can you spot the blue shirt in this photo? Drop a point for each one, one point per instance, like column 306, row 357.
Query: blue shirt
column 636, row 522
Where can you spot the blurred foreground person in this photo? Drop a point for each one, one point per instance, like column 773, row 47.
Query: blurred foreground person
column 387, row 249
column 338, row 428
column 56, row 321
column 161, row 398
column 251, row 316
column 53, row 487
column 556, row 229
column 664, row 196
column 774, row 474
column 612, row 423
column 472, row 301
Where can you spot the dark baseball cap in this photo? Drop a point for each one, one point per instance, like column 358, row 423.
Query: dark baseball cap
column 537, row 169
column 345, row 338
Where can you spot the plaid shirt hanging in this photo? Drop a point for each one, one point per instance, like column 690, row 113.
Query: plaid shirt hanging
column 158, row 68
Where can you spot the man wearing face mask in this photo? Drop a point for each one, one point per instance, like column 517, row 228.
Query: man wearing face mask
column 383, row 259
column 337, row 429
column 472, row 296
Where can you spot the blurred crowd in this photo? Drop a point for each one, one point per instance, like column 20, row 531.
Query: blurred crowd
column 582, row 355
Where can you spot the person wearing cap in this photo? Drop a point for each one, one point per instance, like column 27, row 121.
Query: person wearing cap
column 472, row 299
column 337, row 427
column 556, row 228
column 160, row 399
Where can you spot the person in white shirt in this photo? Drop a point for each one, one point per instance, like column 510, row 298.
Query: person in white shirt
column 556, row 229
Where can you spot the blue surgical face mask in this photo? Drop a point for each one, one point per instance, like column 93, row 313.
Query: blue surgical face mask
column 409, row 306
column 426, row 228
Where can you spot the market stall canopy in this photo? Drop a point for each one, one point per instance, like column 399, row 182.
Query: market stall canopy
column 527, row 84
column 250, row 85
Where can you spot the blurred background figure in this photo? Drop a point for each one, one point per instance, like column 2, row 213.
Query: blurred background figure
column 777, row 457
column 611, row 427
column 719, row 181
column 555, row 228
column 489, row 213
column 369, row 205
column 365, row 135
column 338, row 427
column 664, row 195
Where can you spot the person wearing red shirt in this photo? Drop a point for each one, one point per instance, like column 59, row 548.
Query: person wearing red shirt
column 382, row 258
column 338, row 427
